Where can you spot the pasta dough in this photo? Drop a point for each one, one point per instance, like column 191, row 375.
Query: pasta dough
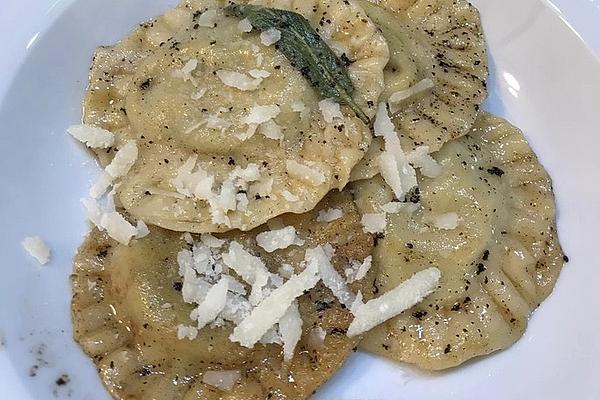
column 439, row 43
column 121, row 321
column 488, row 223
column 192, row 86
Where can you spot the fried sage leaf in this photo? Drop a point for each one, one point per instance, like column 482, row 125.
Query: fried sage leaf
column 306, row 51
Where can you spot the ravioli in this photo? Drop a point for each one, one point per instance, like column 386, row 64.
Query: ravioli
column 488, row 223
column 198, row 92
column 126, row 309
column 439, row 46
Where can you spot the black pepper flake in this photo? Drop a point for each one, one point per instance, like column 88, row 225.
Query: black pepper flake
column 480, row 268
column 414, row 195
column 102, row 253
column 338, row 331
column 448, row 349
column 486, row 255
column 322, row 305
column 146, row 84
column 62, row 380
column 347, row 62
column 178, row 286
column 565, row 259
column 495, row 171
column 419, row 314
column 378, row 236
column 410, row 246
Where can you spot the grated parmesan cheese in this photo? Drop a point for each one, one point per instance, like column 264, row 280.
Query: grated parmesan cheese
column 404, row 296
column 118, row 227
column 331, row 278
column 37, row 248
column 259, row 73
column 270, row 36
column 101, row 185
column 208, row 19
column 214, row 302
column 123, row 160
column 273, row 308
column 92, row 136
column 142, row 230
column 374, row 223
column 185, row 73
column 448, row 221
column 238, row 80
column 271, row 130
column 290, row 328
column 393, row 163
column 402, row 95
column 305, row 173
column 357, row 270
column 259, row 115
column 279, row 239
column 286, row 271
column 224, row 380
column 197, row 95
column 421, row 159
column 245, row 25
column 250, row 268
column 186, row 332
column 210, row 241
column 330, row 215
column 330, row 110
column 298, row 106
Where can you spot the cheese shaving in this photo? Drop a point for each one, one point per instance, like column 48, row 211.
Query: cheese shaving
column 330, row 277
column 357, row 270
column 279, row 239
column 208, row 19
column 374, row 223
column 123, row 160
column 238, row 80
column 224, row 380
column 245, row 25
column 186, row 332
column 214, row 302
column 448, row 221
column 393, row 163
column 330, row 215
column 270, row 36
column 404, row 296
column 399, row 97
column 290, row 328
column 309, row 174
column 259, row 73
column 421, row 159
column 250, row 268
column 37, row 248
column 330, row 110
column 273, row 308
column 92, row 136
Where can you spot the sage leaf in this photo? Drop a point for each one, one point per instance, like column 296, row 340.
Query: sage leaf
column 306, row 51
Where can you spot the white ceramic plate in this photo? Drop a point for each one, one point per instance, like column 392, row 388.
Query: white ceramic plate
column 545, row 79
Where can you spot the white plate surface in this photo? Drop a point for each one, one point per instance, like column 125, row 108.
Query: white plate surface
column 545, row 79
